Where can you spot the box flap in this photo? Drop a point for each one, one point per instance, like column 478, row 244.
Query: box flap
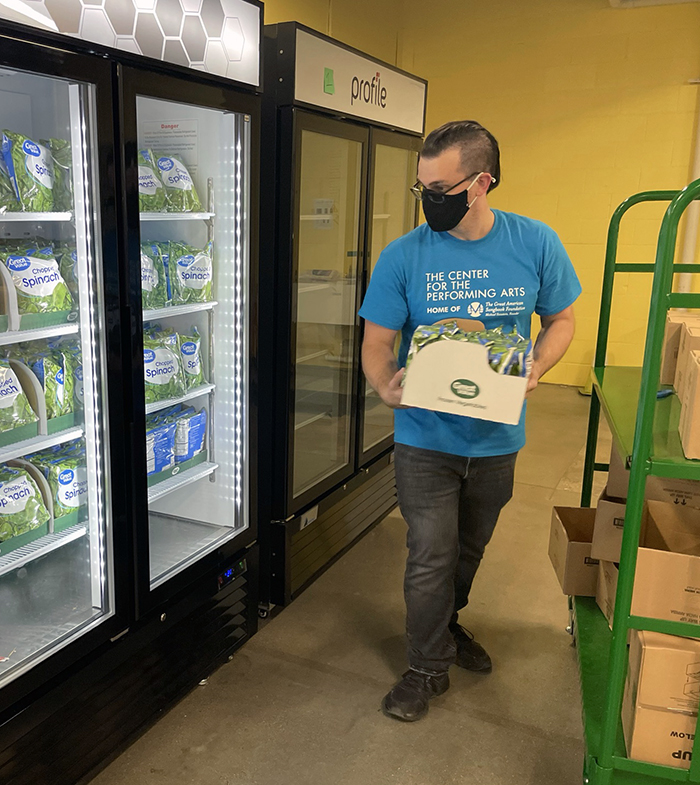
column 578, row 522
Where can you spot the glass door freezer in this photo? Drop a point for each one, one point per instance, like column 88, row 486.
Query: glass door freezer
column 392, row 211
column 188, row 157
column 61, row 405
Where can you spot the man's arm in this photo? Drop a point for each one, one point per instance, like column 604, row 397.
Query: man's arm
column 379, row 363
column 552, row 343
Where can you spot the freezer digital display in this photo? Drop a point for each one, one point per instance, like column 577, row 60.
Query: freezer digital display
column 193, row 185
column 56, row 571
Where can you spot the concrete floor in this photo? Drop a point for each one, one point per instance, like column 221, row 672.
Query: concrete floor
column 299, row 704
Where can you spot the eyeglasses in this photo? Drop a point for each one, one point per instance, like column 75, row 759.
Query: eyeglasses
column 438, row 197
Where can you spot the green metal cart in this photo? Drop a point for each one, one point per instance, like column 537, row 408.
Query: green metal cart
column 646, row 435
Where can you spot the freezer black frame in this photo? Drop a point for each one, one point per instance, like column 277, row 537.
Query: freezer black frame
column 210, row 93
column 292, row 123
column 404, row 141
column 18, row 52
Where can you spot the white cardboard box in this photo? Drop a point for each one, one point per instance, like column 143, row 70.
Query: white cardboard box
column 455, row 377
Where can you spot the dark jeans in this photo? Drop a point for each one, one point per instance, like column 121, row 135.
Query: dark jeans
column 451, row 505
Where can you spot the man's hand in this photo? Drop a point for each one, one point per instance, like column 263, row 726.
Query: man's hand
column 534, row 378
column 392, row 392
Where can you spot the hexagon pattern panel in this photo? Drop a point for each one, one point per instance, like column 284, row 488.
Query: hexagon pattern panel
column 218, row 36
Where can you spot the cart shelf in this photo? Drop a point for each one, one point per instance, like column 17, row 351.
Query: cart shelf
column 593, row 646
column 618, row 391
column 178, row 310
column 41, row 547
column 195, row 392
column 645, row 430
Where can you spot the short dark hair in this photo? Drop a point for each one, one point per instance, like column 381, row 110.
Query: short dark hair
column 478, row 147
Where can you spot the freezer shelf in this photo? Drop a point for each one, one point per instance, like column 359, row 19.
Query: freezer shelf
column 176, row 543
column 18, row 336
column 178, row 310
column 36, row 443
column 177, row 216
column 180, row 480
column 195, row 392
column 34, row 550
column 35, row 217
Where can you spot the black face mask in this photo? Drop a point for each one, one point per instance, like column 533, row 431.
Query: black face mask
column 444, row 212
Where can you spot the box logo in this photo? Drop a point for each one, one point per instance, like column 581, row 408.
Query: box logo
column 464, row 388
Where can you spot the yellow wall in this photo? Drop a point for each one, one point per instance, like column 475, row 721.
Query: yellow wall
column 589, row 103
column 370, row 25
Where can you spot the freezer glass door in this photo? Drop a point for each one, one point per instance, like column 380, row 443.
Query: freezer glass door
column 193, row 198
column 56, row 571
column 328, row 248
column 393, row 214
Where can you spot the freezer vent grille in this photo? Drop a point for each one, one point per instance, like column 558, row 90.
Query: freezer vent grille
column 109, row 707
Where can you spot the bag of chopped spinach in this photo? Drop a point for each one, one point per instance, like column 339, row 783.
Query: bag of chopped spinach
column 67, row 258
column 154, row 288
column 50, row 368
column 8, row 198
column 22, row 507
column 151, row 189
column 30, row 166
column 67, row 477
column 15, row 409
column 191, row 273
column 162, row 370
column 191, row 358
column 38, row 281
column 62, row 172
column 180, row 192
column 164, row 249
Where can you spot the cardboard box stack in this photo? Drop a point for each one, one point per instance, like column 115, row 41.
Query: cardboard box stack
column 662, row 693
column 672, row 337
column 689, row 425
column 689, row 343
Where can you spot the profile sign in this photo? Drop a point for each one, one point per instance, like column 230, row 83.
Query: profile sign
column 345, row 81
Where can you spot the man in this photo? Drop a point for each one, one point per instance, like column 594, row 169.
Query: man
column 455, row 474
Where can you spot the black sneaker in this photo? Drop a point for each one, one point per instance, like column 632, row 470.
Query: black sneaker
column 408, row 700
column 470, row 654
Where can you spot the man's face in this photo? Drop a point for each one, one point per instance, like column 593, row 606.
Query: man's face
column 443, row 171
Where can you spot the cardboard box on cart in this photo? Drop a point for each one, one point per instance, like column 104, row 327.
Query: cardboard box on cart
column 689, row 426
column 663, row 489
column 609, row 521
column 690, row 342
column 606, row 593
column 661, row 700
column 667, row 579
column 570, row 550
column 672, row 336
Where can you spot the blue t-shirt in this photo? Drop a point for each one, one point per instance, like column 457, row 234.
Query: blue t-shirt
column 518, row 269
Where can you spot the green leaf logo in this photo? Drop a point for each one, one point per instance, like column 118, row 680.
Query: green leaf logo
column 464, row 388
column 328, row 83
